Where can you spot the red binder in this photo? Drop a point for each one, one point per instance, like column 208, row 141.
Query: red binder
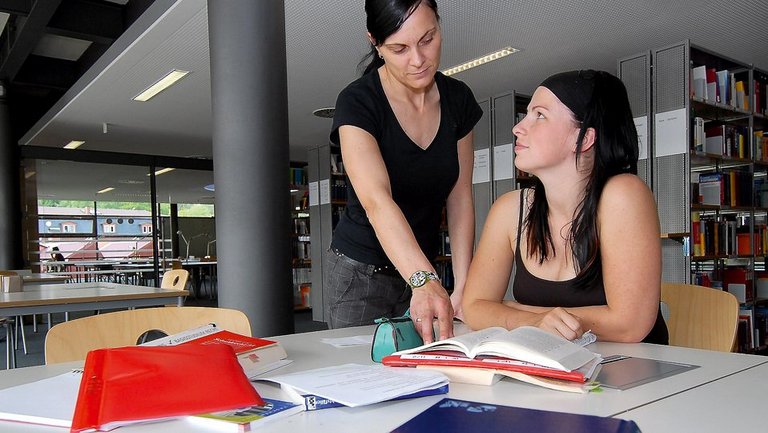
column 131, row 384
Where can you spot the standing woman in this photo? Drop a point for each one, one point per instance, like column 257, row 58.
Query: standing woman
column 584, row 242
column 405, row 132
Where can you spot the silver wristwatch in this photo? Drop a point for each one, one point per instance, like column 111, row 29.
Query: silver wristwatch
column 419, row 278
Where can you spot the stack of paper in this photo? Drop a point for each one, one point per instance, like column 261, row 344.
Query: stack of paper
column 358, row 385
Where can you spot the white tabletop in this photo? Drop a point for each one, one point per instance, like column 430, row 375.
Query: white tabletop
column 732, row 404
column 645, row 403
column 53, row 298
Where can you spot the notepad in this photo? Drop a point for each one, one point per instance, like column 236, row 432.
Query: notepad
column 624, row 372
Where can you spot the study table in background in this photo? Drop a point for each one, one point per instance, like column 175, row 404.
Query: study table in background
column 62, row 298
column 703, row 399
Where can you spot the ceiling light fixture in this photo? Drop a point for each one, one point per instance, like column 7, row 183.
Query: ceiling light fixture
column 163, row 171
column 167, row 81
column 74, row 144
column 107, row 189
column 504, row 52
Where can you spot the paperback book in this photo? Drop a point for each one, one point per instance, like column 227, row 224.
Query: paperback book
column 255, row 355
column 249, row 418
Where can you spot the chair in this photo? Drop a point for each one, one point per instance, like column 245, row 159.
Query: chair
column 700, row 317
column 18, row 326
column 175, row 279
column 72, row 340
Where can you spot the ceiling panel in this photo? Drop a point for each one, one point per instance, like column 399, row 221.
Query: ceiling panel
column 326, row 40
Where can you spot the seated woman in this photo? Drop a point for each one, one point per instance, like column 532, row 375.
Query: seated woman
column 582, row 244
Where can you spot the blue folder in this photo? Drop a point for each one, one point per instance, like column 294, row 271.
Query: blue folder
column 459, row 416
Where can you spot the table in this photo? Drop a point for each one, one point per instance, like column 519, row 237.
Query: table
column 719, row 373
column 45, row 278
column 744, row 390
column 60, row 298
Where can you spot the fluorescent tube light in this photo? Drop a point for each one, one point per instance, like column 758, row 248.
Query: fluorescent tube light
column 108, row 189
column 167, row 81
column 504, row 52
column 74, row 144
column 163, row 171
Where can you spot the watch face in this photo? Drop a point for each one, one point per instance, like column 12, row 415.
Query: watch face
column 418, row 279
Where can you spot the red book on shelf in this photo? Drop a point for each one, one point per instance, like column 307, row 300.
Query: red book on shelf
column 448, row 358
column 126, row 385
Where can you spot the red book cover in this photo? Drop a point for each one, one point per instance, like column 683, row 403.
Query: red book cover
column 132, row 384
column 238, row 342
column 457, row 359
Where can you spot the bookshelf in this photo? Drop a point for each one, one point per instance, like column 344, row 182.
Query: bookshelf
column 708, row 166
column 300, row 235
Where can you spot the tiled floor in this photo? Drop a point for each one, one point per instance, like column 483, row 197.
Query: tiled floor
column 35, row 340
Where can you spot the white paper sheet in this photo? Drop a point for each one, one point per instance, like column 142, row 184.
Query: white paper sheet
column 357, row 385
column 482, row 170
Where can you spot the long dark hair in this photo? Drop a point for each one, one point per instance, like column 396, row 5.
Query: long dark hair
column 385, row 17
column 615, row 152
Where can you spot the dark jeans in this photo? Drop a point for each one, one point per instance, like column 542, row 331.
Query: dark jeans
column 359, row 293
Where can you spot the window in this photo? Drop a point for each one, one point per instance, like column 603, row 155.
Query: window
column 108, row 228
column 146, row 229
column 68, row 227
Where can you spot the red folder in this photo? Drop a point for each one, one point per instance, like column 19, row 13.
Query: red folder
column 130, row 384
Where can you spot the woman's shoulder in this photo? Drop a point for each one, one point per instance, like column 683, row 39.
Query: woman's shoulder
column 626, row 190
column 365, row 85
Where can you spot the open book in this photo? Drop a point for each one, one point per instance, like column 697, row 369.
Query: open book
column 527, row 343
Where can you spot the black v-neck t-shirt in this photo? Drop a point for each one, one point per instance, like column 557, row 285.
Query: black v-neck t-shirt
column 420, row 179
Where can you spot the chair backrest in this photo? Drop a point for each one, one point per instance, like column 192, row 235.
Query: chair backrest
column 175, row 279
column 72, row 340
column 700, row 317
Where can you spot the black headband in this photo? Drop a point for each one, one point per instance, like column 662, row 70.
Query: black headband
column 574, row 89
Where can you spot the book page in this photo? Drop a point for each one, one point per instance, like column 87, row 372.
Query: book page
column 462, row 343
column 535, row 345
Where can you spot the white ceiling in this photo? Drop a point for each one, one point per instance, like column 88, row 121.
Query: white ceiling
column 325, row 40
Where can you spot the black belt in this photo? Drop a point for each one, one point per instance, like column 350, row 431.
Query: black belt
column 386, row 270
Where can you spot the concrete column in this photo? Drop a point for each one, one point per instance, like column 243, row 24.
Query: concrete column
column 251, row 161
column 10, row 204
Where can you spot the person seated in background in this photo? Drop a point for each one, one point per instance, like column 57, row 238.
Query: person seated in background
column 582, row 243
column 56, row 256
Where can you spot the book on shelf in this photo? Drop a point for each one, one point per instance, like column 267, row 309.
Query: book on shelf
column 127, row 385
column 459, row 416
column 526, row 343
column 712, row 90
column 355, row 385
column 699, row 80
column 247, row 419
column 724, row 87
column 255, row 355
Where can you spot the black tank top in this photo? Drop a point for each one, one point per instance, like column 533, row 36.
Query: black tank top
column 529, row 289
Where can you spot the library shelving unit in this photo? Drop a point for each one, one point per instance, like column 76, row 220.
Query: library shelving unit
column 709, row 170
column 635, row 72
column 300, row 235
column 494, row 172
column 327, row 197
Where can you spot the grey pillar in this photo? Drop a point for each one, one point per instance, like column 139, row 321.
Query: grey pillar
column 251, row 161
column 10, row 205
